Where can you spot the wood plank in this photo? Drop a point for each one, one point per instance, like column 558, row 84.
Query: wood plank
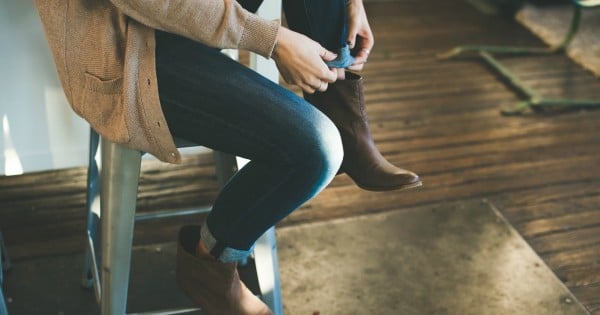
column 560, row 202
column 582, row 276
column 573, row 238
column 438, row 118
column 585, row 256
column 563, row 223
column 589, row 296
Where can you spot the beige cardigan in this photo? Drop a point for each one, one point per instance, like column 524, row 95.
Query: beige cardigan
column 104, row 54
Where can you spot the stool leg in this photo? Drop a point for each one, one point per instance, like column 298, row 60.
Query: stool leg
column 3, row 258
column 92, row 251
column 267, row 271
column 120, row 175
column 3, row 309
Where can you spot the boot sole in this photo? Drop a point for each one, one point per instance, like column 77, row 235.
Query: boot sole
column 390, row 188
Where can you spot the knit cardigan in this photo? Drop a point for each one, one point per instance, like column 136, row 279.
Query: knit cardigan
column 105, row 58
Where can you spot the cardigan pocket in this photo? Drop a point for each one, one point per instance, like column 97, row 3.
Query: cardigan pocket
column 102, row 107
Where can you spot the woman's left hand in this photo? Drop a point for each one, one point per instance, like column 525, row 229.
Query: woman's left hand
column 359, row 33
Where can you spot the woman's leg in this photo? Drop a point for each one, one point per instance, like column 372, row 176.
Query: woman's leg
column 294, row 152
column 343, row 102
column 250, row 5
column 325, row 22
column 214, row 101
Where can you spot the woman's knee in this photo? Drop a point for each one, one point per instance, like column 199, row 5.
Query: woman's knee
column 334, row 150
column 323, row 154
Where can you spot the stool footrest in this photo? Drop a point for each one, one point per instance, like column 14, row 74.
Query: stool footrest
column 169, row 311
column 170, row 213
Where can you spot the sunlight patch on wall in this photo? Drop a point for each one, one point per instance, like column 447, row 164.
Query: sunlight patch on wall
column 12, row 163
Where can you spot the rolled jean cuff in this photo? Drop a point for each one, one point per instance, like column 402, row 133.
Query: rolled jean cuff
column 344, row 58
column 229, row 254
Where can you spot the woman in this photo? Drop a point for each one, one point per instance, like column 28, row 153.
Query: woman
column 143, row 72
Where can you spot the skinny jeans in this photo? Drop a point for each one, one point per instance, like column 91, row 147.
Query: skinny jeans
column 324, row 21
column 294, row 149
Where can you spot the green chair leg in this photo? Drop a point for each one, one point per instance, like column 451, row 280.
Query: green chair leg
column 532, row 98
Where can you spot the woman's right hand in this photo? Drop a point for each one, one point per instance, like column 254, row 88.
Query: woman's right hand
column 301, row 61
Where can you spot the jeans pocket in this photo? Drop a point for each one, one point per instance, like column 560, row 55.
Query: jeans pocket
column 102, row 106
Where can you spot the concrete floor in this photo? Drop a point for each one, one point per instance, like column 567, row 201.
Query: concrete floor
column 461, row 258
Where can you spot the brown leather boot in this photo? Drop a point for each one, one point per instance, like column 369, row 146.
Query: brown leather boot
column 343, row 103
column 215, row 286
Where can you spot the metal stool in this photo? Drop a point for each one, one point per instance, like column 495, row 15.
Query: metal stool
column 118, row 183
column 532, row 98
column 4, row 265
column 114, row 211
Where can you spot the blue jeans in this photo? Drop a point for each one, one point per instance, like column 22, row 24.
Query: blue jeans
column 324, row 21
column 294, row 149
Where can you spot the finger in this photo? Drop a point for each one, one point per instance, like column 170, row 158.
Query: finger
column 366, row 40
column 307, row 88
column 356, row 67
column 364, row 52
column 329, row 76
column 360, row 59
column 351, row 37
column 327, row 55
column 322, row 87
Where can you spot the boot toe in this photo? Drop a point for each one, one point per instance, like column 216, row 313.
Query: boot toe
column 388, row 180
column 403, row 180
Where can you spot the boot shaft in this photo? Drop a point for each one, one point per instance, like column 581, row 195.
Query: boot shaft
column 344, row 104
column 343, row 100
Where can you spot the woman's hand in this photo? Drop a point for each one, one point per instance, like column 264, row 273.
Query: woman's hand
column 359, row 32
column 301, row 61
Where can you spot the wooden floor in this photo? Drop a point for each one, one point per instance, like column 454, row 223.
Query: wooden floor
column 438, row 118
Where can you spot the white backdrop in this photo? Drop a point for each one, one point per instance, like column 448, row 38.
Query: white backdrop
column 39, row 130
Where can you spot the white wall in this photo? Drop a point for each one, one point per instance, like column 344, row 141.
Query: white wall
column 44, row 133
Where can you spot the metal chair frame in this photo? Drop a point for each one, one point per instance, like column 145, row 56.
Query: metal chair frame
column 4, row 265
column 117, row 179
column 532, row 98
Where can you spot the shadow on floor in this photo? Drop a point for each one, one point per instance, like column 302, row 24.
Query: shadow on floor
column 459, row 258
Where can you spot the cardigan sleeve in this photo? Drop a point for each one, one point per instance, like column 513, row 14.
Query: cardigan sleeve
column 217, row 23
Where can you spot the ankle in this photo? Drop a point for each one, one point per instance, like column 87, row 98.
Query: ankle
column 202, row 250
